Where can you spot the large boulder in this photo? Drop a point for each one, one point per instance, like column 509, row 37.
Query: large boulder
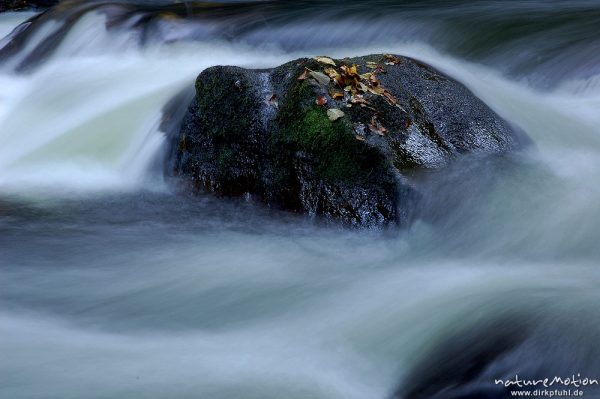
column 331, row 137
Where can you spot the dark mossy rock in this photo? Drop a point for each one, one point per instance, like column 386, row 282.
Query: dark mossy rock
column 262, row 133
column 14, row 5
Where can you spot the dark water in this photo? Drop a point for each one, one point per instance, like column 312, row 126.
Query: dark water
column 114, row 284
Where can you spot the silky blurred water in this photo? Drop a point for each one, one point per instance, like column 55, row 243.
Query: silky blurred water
column 113, row 284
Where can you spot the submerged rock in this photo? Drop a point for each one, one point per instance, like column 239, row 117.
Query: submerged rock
column 324, row 139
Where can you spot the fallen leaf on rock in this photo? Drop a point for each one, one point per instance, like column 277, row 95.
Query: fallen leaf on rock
column 376, row 127
column 331, row 72
column 358, row 99
column 304, row 75
column 321, row 100
column 272, row 100
column 350, row 71
column 392, row 59
column 407, row 123
column 379, row 69
column 340, row 81
column 336, row 95
column 324, row 60
column 320, row 77
column 390, row 99
column 377, row 90
column 334, row 114
column 402, row 108
column 359, row 137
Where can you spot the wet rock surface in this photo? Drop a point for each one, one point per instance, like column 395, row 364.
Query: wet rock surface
column 302, row 138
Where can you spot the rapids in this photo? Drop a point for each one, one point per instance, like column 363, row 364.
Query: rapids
column 115, row 285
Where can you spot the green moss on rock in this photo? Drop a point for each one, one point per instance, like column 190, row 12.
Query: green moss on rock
column 339, row 156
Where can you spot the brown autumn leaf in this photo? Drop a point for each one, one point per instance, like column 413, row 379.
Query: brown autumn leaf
column 340, row 81
column 376, row 127
column 359, row 137
column 379, row 69
column 272, row 100
column 392, row 59
column 324, row 60
column 358, row 99
column 304, row 75
column 377, row 90
column 407, row 123
column 350, row 71
column 321, row 100
column 390, row 99
column 373, row 80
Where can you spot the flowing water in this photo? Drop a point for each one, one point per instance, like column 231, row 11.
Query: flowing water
column 115, row 285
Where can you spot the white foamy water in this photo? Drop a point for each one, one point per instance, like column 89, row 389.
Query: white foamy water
column 88, row 118
column 110, row 288
column 109, row 96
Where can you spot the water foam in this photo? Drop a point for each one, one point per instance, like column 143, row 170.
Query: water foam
column 88, row 117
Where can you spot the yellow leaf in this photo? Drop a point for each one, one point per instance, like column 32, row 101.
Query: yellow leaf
column 334, row 114
column 377, row 90
column 331, row 72
column 336, row 95
column 324, row 60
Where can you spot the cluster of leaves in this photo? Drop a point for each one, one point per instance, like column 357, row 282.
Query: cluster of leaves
column 313, row 124
column 353, row 88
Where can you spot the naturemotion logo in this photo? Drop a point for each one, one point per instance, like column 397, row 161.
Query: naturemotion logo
column 562, row 386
